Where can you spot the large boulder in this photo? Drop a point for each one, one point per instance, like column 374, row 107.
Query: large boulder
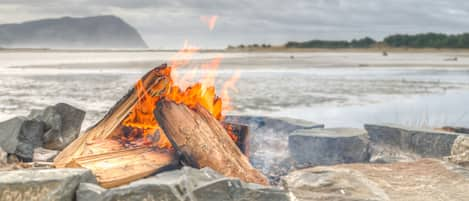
column 186, row 184
column 20, row 136
column 421, row 180
column 63, row 124
column 312, row 147
column 49, row 184
column 9, row 132
column 268, row 142
column 422, row 142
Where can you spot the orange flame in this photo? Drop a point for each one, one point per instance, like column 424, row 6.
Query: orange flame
column 209, row 20
column 182, row 58
column 141, row 123
column 229, row 85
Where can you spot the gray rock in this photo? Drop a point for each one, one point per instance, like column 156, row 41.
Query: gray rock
column 63, row 125
column 235, row 190
column 20, row 136
column 185, row 184
column 338, row 184
column 149, row 192
column 35, row 114
column 50, row 184
column 44, row 155
column 311, row 147
column 29, row 138
column 187, row 177
column 32, row 131
column 421, row 180
column 389, row 154
column 423, row 142
column 9, row 132
column 166, row 186
column 25, row 151
column 90, row 191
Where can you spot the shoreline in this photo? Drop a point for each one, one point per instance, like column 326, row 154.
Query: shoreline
column 256, row 50
column 146, row 65
column 353, row 50
column 307, row 59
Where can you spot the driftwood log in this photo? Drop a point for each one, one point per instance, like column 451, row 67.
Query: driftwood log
column 155, row 82
column 204, row 142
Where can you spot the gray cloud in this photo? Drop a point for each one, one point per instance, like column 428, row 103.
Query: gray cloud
column 166, row 24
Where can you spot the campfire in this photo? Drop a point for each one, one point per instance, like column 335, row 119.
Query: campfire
column 160, row 126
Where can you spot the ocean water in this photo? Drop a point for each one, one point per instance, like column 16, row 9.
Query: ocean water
column 337, row 89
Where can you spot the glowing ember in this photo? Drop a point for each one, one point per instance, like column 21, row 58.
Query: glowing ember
column 140, row 126
column 141, row 123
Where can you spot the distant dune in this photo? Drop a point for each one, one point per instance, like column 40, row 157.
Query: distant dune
column 71, row 33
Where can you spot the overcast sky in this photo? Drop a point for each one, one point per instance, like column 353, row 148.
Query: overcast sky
column 166, row 24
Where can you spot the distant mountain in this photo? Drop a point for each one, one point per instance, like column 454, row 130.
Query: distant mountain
column 71, row 33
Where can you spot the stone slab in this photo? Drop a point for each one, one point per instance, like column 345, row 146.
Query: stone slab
column 39, row 185
column 312, row 147
column 423, row 142
column 421, row 180
column 186, row 184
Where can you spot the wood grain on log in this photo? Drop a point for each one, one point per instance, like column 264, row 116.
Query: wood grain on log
column 122, row 167
column 203, row 141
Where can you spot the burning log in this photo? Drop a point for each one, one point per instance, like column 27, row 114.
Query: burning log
column 154, row 82
column 203, row 141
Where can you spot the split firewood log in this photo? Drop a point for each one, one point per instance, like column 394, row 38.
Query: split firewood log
column 203, row 141
column 122, row 167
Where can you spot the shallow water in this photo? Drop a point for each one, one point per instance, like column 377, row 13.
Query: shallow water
column 270, row 84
